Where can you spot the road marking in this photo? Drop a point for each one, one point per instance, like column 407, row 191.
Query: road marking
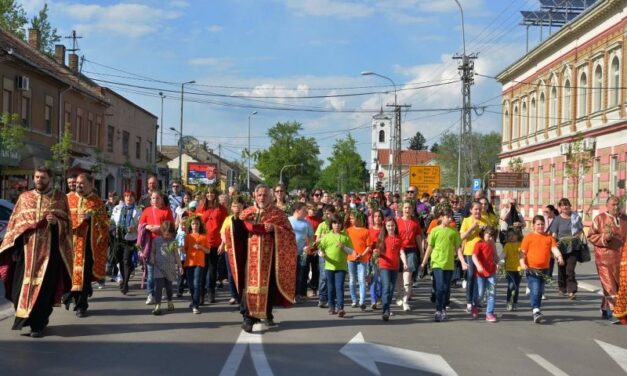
column 366, row 354
column 617, row 353
column 260, row 362
column 553, row 370
column 590, row 287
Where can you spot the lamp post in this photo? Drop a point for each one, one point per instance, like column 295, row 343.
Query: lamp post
column 461, row 119
column 248, row 170
column 393, row 150
column 180, row 148
column 181, row 131
column 284, row 167
column 161, row 120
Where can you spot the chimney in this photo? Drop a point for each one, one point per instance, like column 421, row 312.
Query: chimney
column 33, row 39
column 73, row 62
column 59, row 53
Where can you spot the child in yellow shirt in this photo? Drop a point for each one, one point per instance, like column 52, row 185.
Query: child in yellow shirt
column 511, row 251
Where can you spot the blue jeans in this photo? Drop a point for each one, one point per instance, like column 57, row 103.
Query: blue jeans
column 375, row 285
column 323, row 293
column 471, row 281
column 302, row 272
column 150, row 279
column 486, row 285
column 442, row 287
column 336, row 288
column 194, row 275
column 536, row 288
column 388, row 281
column 513, row 285
column 358, row 270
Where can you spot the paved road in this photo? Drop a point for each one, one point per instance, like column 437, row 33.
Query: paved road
column 121, row 337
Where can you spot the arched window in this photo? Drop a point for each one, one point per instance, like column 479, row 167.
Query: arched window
column 566, row 102
column 523, row 120
column 381, row 136
column 506, row 129
column 541, row 112
column 615, row 82
column 553, row 107
column 597, row 103
column 582, row 95
column 516, row 127
column 533, row 117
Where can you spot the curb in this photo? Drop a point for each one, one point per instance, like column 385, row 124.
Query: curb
column 6, row 312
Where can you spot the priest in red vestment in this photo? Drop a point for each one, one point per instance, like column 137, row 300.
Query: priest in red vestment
column 36, row 254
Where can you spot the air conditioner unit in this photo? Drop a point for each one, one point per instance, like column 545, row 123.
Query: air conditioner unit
column 22, row 82
column 564, row 149
column 588, row 144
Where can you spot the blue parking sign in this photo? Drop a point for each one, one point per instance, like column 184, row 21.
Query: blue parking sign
column 476, row 184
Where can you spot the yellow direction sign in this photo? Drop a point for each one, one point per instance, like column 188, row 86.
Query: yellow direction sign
column 425, row 178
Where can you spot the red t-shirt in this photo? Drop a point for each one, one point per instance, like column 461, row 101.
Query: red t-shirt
column 314, row 222
column 155, row 216
column 374, row 236
column 408, row 230
column 485, row 253
column 213, row 219
column 390, row 257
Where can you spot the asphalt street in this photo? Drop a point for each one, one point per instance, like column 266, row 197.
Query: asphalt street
column 120, row 336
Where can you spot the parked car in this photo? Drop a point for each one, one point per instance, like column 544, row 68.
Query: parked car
column 6, row 208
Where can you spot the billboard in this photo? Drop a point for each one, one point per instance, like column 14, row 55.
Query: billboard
column 202, row 173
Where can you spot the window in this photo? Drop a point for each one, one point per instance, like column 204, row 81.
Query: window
column 516, row 127
column 596, row 176
column 533, row 118
column 138, row 145
column 552, row 185
column 125, row 141
column 149, row 152
column 78, row 127
column 48, row 119
column 381, row 135
column 582, row 95
column 523, row 120
column 506, row 129
column 110, row 133
column 553, row 107
column 98, row 131
column 597, row 103
column 615, row 84
column 25, row 113
column 566, row 104
column 92, row 132
column 614, row 174
column 7, row 102
column 541, row 113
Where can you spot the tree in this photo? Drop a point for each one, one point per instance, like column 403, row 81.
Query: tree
column 516, row 165
column 13, row 18
column 61, row 153
column 11, row 134
column 578, row 163
column 418, row 142
column 485, row 150
column 346, row 170
column 48, row 35
column 288, row 148
column 435, row 148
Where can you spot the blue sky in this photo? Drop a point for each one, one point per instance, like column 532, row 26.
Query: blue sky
column 271, row 53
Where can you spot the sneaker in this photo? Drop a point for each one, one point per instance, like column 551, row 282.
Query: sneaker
column 444, row 316
column 464, row 283
column 354, row 305
column 80, row 313
column 170, row 306
column 538, row 318
column 150, row 300
column 613, row 320
column 323, row 305
column 510, row 307
column 527, row 291
column 399, row 302
column 474, row 312
column 195, row 311
column 374, row 307
column 468, row 308
column 341, row 313
column 572, row 296
column 406, row 307
column 489, row 317
column 362, row 307
column 232, row 301
column 101, row 285
column 438, row 316
column 157, row 310
column 385, row 316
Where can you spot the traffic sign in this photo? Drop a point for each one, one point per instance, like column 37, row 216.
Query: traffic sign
column 508, row 180
column 425, row 178
column 476, row 185
column 380, row 175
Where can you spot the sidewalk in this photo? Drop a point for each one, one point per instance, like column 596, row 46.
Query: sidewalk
column 6, row 308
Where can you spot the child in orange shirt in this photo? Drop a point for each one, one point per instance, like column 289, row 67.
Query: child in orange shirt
column 536, row 249
column 196, row 246
column 359, row 259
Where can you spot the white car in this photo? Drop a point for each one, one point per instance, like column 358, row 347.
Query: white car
column 6, row 208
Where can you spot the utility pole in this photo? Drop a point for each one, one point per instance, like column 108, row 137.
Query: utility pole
column 396, row 172
column 220, row 165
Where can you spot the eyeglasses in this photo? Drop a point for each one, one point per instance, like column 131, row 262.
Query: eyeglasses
column 316, row 194
column 411, row 191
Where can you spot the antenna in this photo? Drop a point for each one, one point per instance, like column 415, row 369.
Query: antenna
column 74, row 39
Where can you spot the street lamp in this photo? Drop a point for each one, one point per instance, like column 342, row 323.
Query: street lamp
column 284, row 167
column 394, row 135
column 461, row 118
column 180, row 147
column 248, row 172
column 161, row 120
column 181, row 131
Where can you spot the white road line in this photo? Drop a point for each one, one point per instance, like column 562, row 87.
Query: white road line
column 617, row 353
column 260, row 362
column 553, row 370
column 590, row 287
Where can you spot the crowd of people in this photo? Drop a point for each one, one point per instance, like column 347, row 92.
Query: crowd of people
column 271, row 249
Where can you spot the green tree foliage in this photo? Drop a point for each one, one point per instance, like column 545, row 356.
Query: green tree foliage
column 61, row 153
column 418, row 142
column 289, row 148
column 516, row 165
column 11, row 133
column 485, row 151
column 13, row 17
column 346, row 170
column 578, row 163
column 48, row 35
column 435, row 148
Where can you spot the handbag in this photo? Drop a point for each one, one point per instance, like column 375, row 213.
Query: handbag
column 584, row 251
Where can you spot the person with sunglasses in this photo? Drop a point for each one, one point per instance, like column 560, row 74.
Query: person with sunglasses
column 280, row 198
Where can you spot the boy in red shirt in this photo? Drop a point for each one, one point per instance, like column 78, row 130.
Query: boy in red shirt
column 410, row 234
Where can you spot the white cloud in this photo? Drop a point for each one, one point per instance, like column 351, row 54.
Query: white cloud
column 33, row 6
column 214, row 28
column 220, row 63
column 340, row 9
column 336, row 103
column 128, row 19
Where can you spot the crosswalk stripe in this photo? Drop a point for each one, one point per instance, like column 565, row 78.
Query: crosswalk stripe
column 617, row 353
column 552, row 369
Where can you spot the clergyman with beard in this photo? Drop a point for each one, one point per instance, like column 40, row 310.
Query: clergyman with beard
column 38, row 232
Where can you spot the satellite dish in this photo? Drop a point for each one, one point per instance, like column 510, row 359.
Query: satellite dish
column 190, row 144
